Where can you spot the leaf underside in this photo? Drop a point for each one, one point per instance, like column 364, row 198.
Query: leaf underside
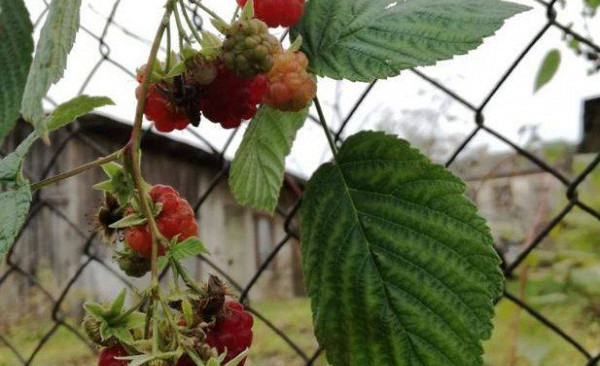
column 363, row 40
column 258, row 168
column 50, row 60
column 398, row 264
column 16, row 46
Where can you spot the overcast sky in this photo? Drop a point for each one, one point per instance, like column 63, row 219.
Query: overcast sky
column 556, row 109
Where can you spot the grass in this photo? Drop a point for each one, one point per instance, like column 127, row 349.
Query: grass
column 528, row 344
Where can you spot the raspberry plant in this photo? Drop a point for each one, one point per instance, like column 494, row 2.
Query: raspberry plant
column 399, row 266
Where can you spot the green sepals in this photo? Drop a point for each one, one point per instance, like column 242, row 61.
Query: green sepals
column 134, row 219
column 211, row 46
column 188, row 52
column 117, row 305
column 117, row 185
column 295, row 46
column 220, row 24
column 248, row 10
column 144, row 359
column 188, row 311
column 113, row 322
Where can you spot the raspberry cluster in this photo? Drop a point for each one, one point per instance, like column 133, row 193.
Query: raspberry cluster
column 176, row 218
column 226, row 86
column 220, row 331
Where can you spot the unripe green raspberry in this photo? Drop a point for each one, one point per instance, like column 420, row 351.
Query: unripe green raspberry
column 249, row 48
column 134, row 266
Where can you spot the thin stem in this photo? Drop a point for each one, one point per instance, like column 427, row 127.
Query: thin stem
column 76, row 171
column 207, row 10
column 235, row 13
column 185, row 276
column 188, row 20
column 168, row 62
column 332, row 146
column 180, row 31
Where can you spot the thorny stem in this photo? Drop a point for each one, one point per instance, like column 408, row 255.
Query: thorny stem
column 207, row 10
column 132, row 150
column 76, row 171
column 189, row 22
column 332, row 146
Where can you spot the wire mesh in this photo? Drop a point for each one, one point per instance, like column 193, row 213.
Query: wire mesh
column 570, row 187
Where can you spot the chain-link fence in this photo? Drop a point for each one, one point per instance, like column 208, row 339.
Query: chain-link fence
column 570, row 186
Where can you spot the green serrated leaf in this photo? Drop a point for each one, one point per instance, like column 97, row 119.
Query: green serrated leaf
column 547, row 70
column 399, row 266
column 16, row 47
column 190, row 247
column 363, row 40
column 258, row 167
column 76, row 107
column 50, row 60
column 14, row 206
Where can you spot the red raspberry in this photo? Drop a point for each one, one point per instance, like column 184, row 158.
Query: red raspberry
column 107, row 357
column 229, row 99
column 275, row 13
column 291, row 86
column 166, row 115
column 233, row 330
column 176, row 217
